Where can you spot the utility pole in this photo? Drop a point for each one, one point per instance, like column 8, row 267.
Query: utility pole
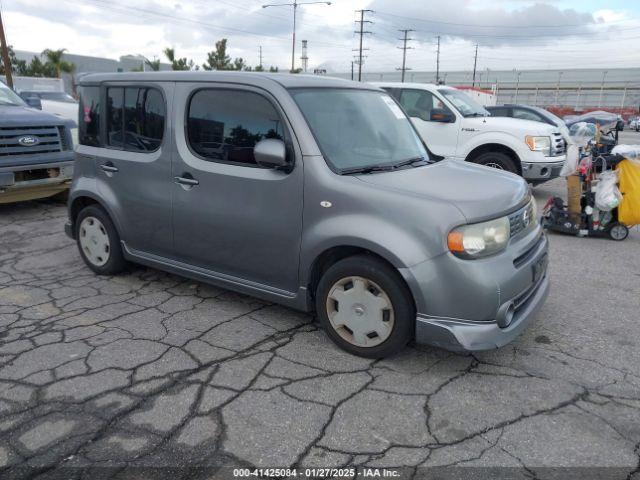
column 5, row 55
column 260, row 53
column 295, row 5
column 558, row 88
column 404, row 49
column 362, row 32
column 352, row 62
column 304, row 57
column 438, row 63
column 475, row 63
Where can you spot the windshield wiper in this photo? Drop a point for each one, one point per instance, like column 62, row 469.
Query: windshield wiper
column 411, row 161
column 369, row 169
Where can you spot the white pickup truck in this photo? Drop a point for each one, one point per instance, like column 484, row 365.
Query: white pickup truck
column 453, row 125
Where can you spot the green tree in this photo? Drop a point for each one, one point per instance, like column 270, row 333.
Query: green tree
column 57, row 63
column 179, row 63
column 18, row 67
column 154, row 64
column 273, row 69
column 37, row 68
column 238, row 64
column 259, row 68
column 218, row 58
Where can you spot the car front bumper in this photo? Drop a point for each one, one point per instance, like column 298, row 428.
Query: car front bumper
column 29, row 182
column 538, row 172
column 480, row 304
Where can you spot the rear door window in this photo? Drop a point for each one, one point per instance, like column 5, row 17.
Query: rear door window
column 135, row 118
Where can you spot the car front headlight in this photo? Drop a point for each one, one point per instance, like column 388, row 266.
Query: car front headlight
column 539, row 144
column 479, row 239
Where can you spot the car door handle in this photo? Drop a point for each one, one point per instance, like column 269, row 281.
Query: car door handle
column 109, row 168
column 191, row 182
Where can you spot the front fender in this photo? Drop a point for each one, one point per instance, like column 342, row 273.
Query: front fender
column 496, row 138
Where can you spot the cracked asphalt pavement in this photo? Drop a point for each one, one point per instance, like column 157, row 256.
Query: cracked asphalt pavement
column 148, row 369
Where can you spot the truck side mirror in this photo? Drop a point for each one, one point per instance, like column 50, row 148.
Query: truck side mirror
column 34, row 102
column 442, row 116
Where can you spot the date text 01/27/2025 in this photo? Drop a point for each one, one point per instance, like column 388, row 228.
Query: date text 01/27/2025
column 316, row 472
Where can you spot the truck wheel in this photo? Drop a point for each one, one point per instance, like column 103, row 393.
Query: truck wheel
column 497, row 160
column 365, row 307
column 99, row 242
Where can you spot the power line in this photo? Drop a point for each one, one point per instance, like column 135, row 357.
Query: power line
column 504, row 26
column 404, row 49
column 362, row 32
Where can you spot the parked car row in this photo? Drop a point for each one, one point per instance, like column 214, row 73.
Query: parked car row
column 319, row 194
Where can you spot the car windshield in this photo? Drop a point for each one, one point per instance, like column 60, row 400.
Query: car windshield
column 360, row 130
column 9, row 97
column 57, row 97
column 557, row 120
column 464, row 103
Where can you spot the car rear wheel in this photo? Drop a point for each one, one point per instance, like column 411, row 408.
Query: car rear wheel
column 498, row 160
column 365, row 307
column 99, row 242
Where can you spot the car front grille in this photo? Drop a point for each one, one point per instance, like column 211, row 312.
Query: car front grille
column 522, row 220
column 558, row 145
column 49, row 140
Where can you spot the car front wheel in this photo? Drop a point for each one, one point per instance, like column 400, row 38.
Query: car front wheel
column 498, row 160
column 365, row 307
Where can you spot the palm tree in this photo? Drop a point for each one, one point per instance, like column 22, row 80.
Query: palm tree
column 59, row 65
column 153, row 64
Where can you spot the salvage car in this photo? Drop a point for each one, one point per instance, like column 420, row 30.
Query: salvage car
column 36, row 151
column 310, row 192
column 456, row 126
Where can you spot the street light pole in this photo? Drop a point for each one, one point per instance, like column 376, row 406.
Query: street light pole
column 293, row 39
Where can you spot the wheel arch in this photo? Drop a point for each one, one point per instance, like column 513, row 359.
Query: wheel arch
column 330, row 256
column 495, row 147
column 82, row 200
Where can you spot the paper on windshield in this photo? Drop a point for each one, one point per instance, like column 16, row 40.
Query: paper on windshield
column 393, row 106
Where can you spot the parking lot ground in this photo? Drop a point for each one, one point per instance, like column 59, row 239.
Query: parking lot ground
column 150, row 369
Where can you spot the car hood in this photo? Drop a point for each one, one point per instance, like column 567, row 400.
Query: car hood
column 515, row 126
column 18, row 116
column 480, row 193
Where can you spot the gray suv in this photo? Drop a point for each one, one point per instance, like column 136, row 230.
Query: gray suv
column 311, row 192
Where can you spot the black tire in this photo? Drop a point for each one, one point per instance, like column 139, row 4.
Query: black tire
column 115, row 262
column 618, row 232
column 498, row 160
column 391, row 283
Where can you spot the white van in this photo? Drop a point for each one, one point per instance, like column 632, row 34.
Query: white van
column 455, row 126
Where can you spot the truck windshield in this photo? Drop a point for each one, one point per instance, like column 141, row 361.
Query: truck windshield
column 464, row 103
column 9, row 97
column 360, row 131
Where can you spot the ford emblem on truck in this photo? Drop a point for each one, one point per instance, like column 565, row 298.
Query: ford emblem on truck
column 28, row 140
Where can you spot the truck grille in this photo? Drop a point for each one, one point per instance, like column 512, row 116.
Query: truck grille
column 48, row 140
column 558, row 145
column 522, row 219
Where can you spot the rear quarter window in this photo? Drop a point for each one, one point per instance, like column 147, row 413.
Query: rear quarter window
column 89, row 116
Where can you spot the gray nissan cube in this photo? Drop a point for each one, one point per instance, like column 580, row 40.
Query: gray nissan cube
column 310, row 192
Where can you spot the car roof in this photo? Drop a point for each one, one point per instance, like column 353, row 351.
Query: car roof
column 253, row 78
column 411, row 85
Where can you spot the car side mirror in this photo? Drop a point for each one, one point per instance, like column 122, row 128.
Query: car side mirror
column 271, row 153
column 441, row 115
column 34, row 102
